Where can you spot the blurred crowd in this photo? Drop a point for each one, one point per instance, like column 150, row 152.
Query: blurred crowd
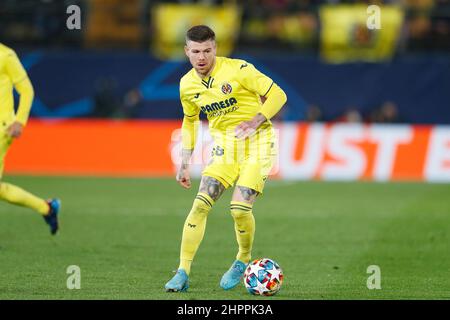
column 290, row 24
column 295, row 23
column 387, row 112
column 36, row 22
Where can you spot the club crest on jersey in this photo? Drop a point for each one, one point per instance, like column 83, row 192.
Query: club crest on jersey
column 226, row 88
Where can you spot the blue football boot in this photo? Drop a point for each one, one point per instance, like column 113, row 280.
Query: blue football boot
column 52, row 217
column 233, row 276
column 179, row 282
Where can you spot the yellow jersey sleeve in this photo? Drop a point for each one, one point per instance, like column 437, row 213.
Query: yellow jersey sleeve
column 252, row 79
column 14, row 68
column 19, row 78
column 189, row 131
column 190, row 122
column 189, row 108
column 276, row 98
column 26, row 92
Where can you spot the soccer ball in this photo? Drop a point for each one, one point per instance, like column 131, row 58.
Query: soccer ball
column 263, row 277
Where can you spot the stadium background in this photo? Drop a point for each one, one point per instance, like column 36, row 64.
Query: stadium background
column 363, row 104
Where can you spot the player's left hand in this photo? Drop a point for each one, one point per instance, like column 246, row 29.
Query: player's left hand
column 245, row 129
column 248, row 128
column 15, row 129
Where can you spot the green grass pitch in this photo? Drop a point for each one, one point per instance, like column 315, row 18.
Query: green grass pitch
column 124, row 234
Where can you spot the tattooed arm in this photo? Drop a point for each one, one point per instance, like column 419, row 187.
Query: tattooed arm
column 183, row 177
column 189, row 131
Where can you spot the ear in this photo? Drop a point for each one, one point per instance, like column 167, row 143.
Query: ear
column 186, row 50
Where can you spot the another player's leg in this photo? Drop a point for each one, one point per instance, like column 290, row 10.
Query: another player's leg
column 51, row 218
column 244, row 225
column 16, row 195
column 194, row 229
column 48, row 209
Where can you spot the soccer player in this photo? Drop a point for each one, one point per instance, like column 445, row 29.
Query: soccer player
column 230, row 92
column 13, row 75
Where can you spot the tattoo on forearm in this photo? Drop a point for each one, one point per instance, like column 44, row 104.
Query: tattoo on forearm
column 248, row 194
column 212, row 187
column 185, row 158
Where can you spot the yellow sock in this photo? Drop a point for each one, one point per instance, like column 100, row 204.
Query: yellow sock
column 18, row 196
column 244, row 225
column 194, row 229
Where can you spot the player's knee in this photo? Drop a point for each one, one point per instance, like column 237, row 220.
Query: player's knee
column 240, row 210
column 202, row 205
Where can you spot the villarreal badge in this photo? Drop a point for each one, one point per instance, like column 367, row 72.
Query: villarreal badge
column 226, row 88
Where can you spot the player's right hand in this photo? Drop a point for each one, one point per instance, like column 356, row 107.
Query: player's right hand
column 184, row 178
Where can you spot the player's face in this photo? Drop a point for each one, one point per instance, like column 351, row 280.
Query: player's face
column 202, row 55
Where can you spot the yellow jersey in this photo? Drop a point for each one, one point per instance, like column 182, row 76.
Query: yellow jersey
column 229, row 95
column 11, row 73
